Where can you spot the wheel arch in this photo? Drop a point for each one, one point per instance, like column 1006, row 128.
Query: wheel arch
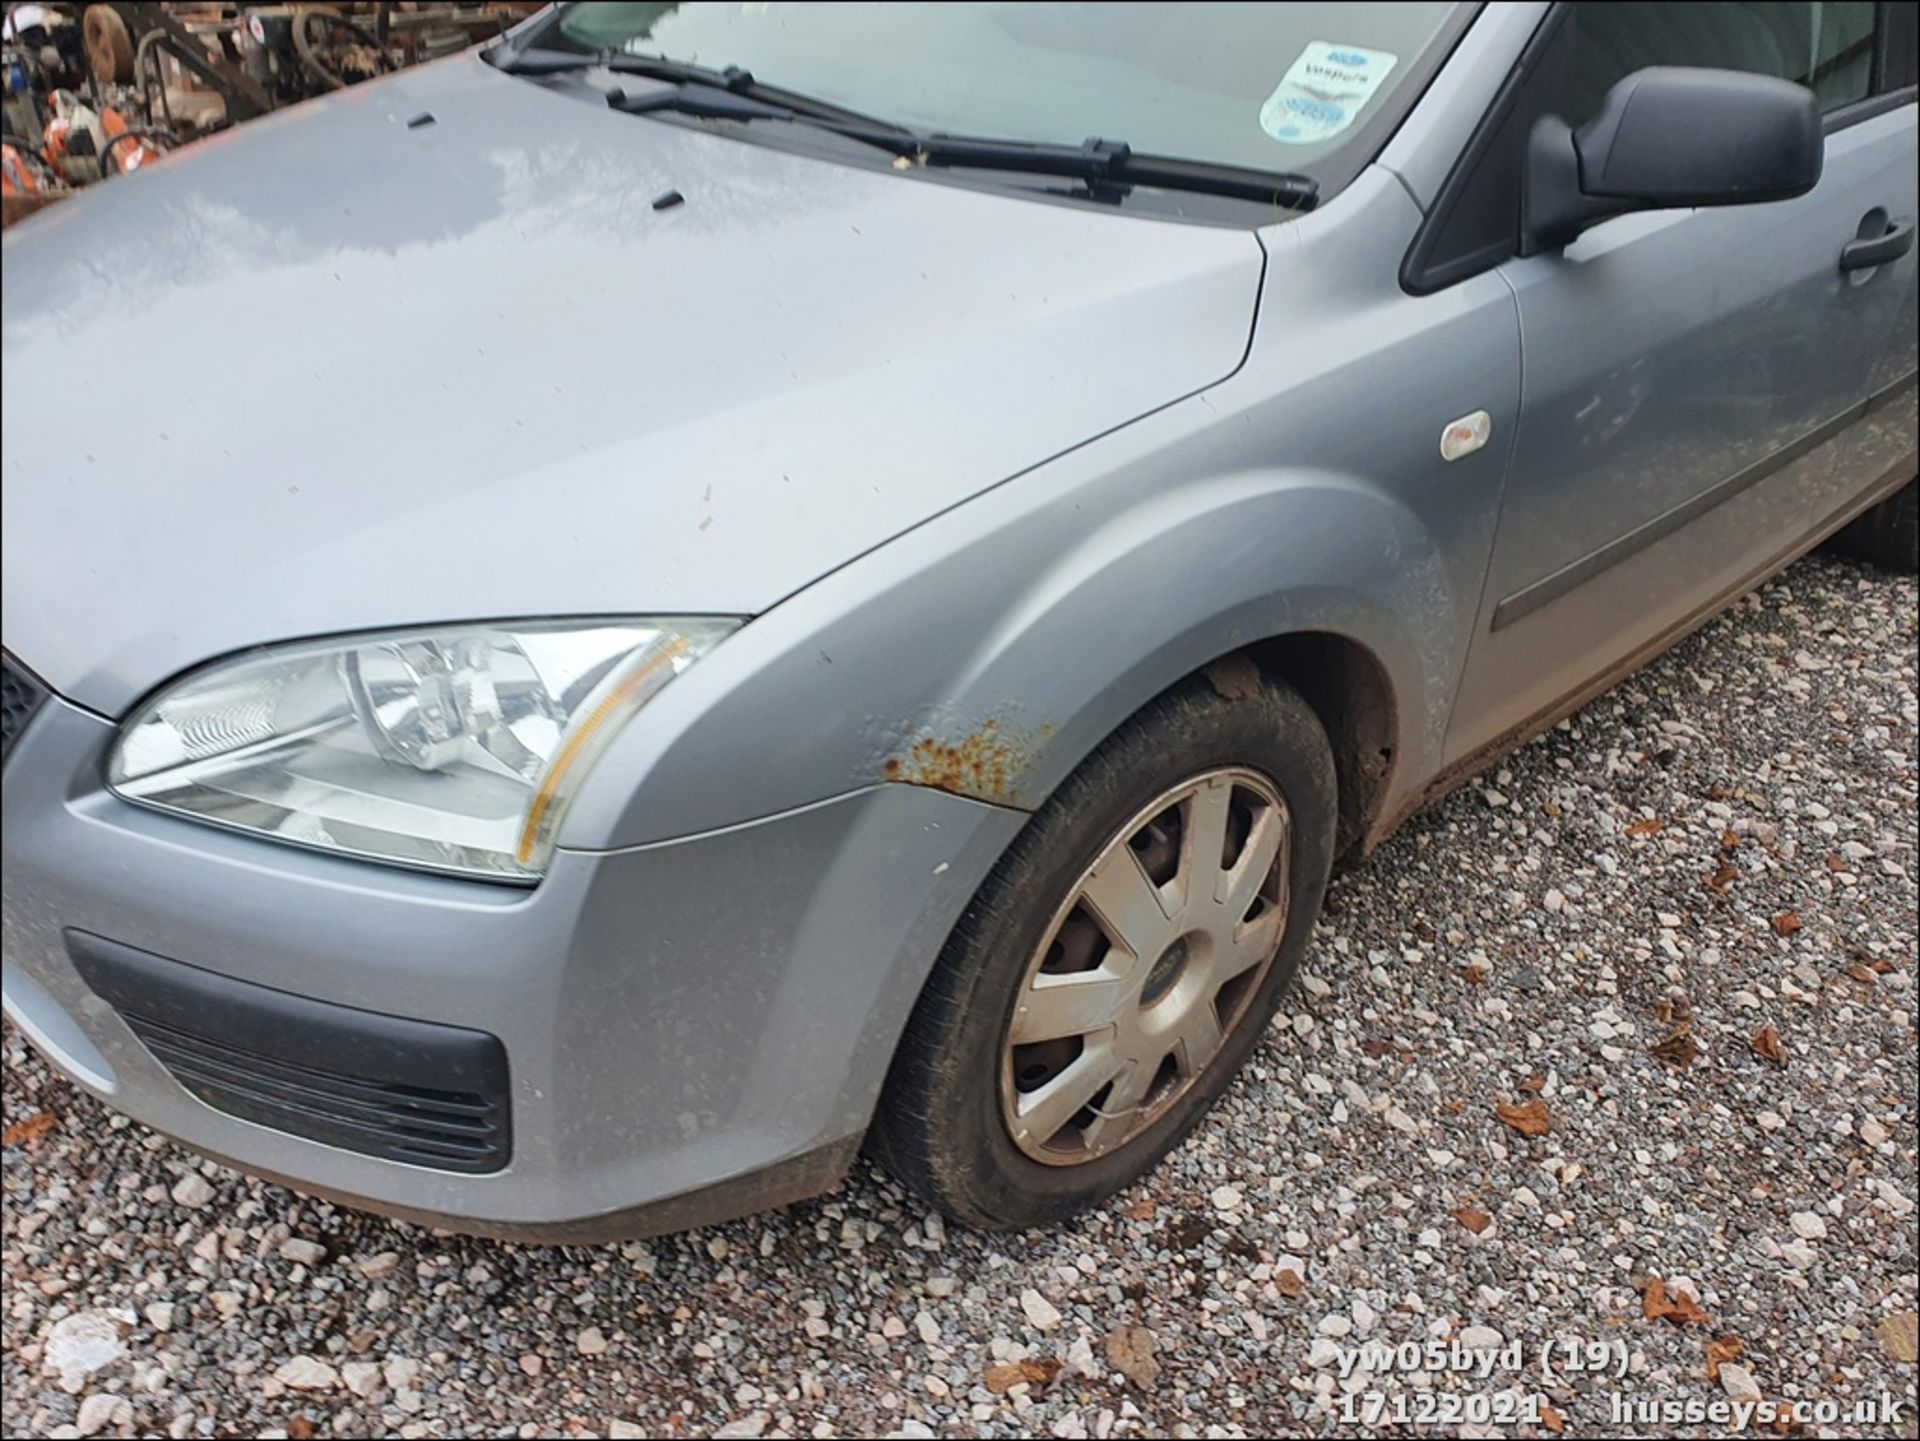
column 1353, row 605
column 1352, row 693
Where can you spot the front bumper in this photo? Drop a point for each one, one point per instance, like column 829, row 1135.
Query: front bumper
column 691, row 1029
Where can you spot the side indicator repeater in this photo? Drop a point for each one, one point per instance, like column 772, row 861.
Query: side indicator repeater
column 1465, row 435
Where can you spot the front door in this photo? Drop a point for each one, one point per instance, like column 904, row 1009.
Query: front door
column 1693, row 379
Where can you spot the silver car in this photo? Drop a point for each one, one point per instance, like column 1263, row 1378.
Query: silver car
column 716, row 583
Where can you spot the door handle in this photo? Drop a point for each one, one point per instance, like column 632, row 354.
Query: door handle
column 1871, row 250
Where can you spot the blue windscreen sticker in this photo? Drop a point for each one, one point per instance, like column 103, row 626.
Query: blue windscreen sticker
column 1323, row 91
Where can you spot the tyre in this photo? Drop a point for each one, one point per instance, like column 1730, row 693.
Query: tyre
column 1888, row 535
column 1121, row 961
column 109, row 45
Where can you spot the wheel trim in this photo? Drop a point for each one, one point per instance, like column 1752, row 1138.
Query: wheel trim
column 1146, row 967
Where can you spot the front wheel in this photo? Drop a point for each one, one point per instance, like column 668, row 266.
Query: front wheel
column 1120, row 963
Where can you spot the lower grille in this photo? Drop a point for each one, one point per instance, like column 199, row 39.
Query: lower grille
column 20, row 696
column 403, row 1090
column 455, row 1130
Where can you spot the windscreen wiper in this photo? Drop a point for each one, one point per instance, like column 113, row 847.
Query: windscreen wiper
column 560, row 62
column 731, row 79
column 1108, row 167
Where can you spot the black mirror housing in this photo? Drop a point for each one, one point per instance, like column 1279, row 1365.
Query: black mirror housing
column 1669, row 137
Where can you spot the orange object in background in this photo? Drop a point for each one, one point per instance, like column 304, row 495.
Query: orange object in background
column 122, row 155
column 16, row 177
column 53, row 142
column 111, row 145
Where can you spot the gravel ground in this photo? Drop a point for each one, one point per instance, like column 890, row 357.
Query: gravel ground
column 1725, row 844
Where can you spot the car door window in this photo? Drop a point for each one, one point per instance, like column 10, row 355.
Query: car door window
column 1826, row 47
column 1847, row 53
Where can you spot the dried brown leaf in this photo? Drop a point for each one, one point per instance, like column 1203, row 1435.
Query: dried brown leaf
column 1474, row 1221
column 1900, row 1335
column 1721, row 881
column 1288, row 1283
column 1658, row 1304
column 1529, row 1119
column 1140, row 1211
column 1034, row 1371
column 1721, row 1351
column 1729, row 841
column 299, row 1428
column 1534, row 1084
column 1679, row 1050
column 23, row 1133
column 1766, row 1044
column 1673, row 1010
column 1552, row 1419
column 1651, row 826
column 1002, row 1379
column 1786, row 923
column 1130, row 1352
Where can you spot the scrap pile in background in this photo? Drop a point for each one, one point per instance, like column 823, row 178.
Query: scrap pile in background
column 95, row 91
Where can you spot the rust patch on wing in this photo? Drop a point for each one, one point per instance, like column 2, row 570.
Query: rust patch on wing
column 986, row 763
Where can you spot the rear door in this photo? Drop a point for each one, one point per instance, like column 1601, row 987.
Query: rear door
column 1693, row 379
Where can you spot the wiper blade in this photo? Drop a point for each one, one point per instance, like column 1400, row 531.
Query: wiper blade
column 732, row 79
column 560, row 62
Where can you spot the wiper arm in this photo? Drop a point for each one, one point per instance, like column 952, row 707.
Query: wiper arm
column 1115, row 165
column 712, row 102
column 694, row 97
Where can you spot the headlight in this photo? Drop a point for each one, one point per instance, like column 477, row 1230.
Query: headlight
column 456, row 749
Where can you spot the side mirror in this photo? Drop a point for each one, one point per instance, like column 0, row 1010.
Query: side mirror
column 1670, row 137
